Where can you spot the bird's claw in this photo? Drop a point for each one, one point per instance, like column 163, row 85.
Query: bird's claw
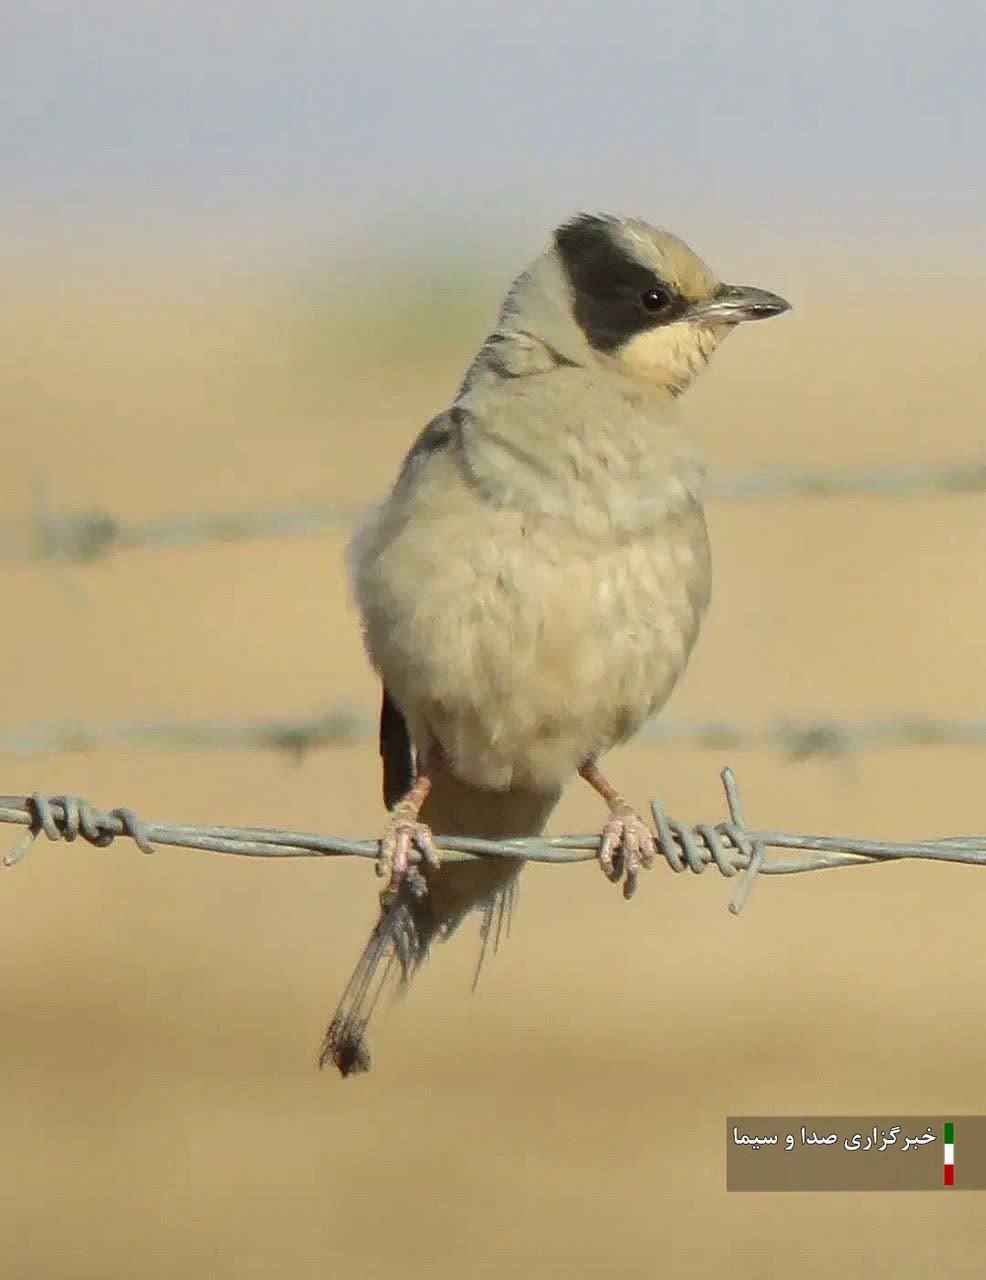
column 626, row 846
column 403, row 836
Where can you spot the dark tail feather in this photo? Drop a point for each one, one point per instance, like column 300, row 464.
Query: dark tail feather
column 397, row 947
column 402, row 938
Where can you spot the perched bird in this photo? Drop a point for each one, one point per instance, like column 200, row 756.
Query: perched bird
column 532, row 586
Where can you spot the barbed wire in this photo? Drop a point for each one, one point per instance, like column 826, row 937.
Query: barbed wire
column 340, row 726
column 897, row 481
column 730, row 846
column 87, row 536
column 344, row 726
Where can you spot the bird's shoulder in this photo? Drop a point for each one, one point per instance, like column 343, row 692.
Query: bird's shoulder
column 441, row 434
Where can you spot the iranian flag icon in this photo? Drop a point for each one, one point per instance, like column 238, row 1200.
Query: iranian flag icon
column 949, row 1154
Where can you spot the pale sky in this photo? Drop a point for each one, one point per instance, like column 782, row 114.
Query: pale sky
column 374, row 118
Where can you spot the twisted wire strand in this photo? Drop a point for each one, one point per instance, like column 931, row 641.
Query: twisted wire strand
column 67, row 817
column 730, row 846
column 86, row 536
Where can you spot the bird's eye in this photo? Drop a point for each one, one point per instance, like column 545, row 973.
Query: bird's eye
column 655, row 299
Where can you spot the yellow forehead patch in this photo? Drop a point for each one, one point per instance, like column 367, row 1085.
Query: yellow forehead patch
column 670, row 257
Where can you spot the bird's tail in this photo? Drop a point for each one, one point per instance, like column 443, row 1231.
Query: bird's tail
column 390, row 957
column 402, row 937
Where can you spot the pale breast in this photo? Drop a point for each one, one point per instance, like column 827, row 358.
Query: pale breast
column 520, row 647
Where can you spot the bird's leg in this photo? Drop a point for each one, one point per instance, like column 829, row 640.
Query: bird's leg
column 626, row 843
column 405, row 833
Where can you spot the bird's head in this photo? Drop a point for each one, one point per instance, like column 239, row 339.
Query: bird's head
column 644, row 302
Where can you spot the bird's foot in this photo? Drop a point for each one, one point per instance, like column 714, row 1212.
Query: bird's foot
column 404, row 836
column 626, row 845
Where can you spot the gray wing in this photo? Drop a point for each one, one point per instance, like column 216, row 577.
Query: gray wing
column 396, row 749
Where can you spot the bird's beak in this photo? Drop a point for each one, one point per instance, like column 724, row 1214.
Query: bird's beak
column 732, row 303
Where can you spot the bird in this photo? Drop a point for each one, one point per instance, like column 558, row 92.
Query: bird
column 532, row 586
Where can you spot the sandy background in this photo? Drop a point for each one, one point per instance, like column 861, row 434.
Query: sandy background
column 160, row 1110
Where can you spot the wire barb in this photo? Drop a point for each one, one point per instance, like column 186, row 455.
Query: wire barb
column 753, row 850
column 68, row 817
